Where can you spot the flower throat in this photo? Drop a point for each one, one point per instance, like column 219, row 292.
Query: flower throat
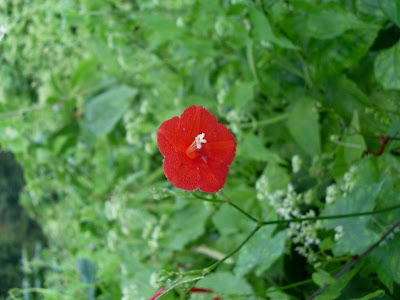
column 191, row 151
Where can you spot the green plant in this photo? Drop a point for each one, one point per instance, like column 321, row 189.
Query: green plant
column 310, row 91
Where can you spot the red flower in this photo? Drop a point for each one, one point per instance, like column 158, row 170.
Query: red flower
column 197, row 150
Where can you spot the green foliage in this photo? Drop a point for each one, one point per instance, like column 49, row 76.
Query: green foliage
column 225, row 283
column 261, row 251
column 105, row 110
column 304, row 127
column 309, row 88
column 387, row 67
column 19, row 234
column 361, row 199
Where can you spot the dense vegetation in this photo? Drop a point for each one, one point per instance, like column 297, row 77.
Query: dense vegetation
column 19, row 235
column 310, row 89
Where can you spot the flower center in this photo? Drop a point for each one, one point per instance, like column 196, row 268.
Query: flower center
column 191, row 151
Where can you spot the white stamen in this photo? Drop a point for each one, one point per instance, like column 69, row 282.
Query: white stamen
column 200, row 140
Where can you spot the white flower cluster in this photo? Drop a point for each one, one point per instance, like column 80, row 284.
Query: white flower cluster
column 350, row 180
column 338, row 233
column 11, row 133
column 335, row 191
column 222, row 94
column 111, row 209
column 126, row 219
column 220, row 26
column 153, row 232
column 132, row 121
column 287, row 205
column 137, row 132
column 296, row 163
column 129, row 291
column 179, row 22
column 112, row 240
column 262, row 188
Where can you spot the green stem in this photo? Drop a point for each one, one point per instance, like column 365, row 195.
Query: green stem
column 292, row 285
column 208, row 199
column 215, row 265
column 228, row 201
column 22, row 110
column 242, row 211
column 307, row 74
column 259, row 224
column 298, row 220
column 209, row 269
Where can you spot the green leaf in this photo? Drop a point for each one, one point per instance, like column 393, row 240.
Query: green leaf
column 353, row 144
column 185, row 226
column 87, row 274
column 263, row 32
column 102, row 112
column 376, row 294
column 361, row 199
column 327, row 58
column 387, row 67
column 87, row 270
column 240, row 94
column 228, row 220
column 139, row 285
column 85, row 74
column 322, row 277
column 385, row 277
column 327, row 244
column 261, row 251
column 345, row 97
column 252, row 147
column 371, row 7
column 274, row 294
column 330, row 22
column 278, row 177
column 388, row 257
column 303, row 126
column 159, row 28
column 225, row 283
column 391, row 9
column 334, row 289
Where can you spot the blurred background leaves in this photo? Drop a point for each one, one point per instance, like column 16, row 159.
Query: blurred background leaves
column 306, row 86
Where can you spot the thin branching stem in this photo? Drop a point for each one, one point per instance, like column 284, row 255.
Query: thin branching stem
column 203, row 272
column 228, row 201
column 215, row 265
column 343, row 216
column 349, row 266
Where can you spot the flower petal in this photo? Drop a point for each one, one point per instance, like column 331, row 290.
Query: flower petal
column 181, row 171
column 166, row 137
column 194, row 121
column 220, row 145
column 212, row 174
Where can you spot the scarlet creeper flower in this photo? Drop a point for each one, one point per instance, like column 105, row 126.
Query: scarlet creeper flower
column 197, row 150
